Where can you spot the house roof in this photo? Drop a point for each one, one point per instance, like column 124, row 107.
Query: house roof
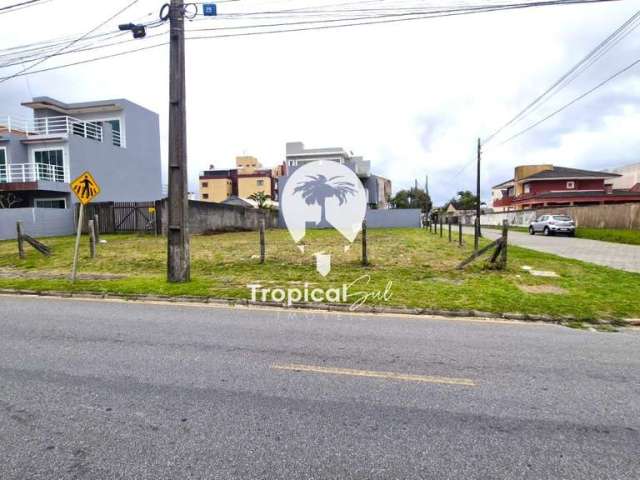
column 504, row 184
column 74, row 108
column 564, row 172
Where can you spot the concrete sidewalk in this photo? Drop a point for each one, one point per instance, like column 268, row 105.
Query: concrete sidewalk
column 614, row 255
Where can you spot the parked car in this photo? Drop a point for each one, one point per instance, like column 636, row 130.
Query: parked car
column 552, row 224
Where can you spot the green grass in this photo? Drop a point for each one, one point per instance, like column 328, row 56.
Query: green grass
column 615, row 235
column 420, row 265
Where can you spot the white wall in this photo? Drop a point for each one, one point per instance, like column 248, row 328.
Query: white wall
column 36, row 222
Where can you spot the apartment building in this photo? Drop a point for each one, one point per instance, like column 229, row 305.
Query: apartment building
column 118, row 141
column 247, row 178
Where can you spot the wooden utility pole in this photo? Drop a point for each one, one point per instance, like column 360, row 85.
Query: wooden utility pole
column 74, row 266
column 477, row 233
column 178, row 263
column 96, row 226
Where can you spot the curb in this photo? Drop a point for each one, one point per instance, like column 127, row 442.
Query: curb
column 330, row 307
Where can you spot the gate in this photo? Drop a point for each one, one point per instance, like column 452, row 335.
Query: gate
column 123, row 217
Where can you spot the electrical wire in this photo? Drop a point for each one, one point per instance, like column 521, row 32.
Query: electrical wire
column 70, row 44
column 592, row 57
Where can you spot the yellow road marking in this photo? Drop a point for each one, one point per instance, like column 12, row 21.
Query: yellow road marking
column 373, row 374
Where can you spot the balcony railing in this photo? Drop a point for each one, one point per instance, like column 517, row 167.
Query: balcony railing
column 31, row 172
column 62, row 125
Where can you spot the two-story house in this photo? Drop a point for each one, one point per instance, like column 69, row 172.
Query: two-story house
column 535, row 186
column 116, row 140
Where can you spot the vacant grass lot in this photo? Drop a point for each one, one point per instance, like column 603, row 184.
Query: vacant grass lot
column 420, row 265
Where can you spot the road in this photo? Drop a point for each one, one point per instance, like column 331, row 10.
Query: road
column 114, row 390
column 608, row 254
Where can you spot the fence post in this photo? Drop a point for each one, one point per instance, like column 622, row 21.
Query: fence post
column 365, row 255
column 441, row 220
column 449, row 224
column 505, row 235
column 92, row 238
column 96, row 226
column 20, row 240
column 460, row 233
column 262, row 242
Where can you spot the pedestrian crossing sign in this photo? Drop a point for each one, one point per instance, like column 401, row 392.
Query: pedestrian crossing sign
column 85, row 187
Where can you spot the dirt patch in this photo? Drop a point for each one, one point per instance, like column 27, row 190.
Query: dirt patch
column 543, row 289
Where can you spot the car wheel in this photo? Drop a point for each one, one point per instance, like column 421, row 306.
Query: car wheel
column 546, row 231
column 531, row 230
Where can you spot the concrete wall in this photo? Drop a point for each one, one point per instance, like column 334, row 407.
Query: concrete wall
column 625, row 216
column 394, row 218
column 37, row 222
column 207, row 217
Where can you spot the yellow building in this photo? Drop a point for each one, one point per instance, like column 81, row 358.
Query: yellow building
column 247, row 178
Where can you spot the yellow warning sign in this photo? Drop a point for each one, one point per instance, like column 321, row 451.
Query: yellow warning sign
column 85, row 187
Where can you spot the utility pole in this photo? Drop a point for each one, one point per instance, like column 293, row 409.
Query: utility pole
column 178, row 262
column 477, row 235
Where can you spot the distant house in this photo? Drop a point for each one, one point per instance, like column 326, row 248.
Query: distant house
column 536, row 186
column 629, row 177
column 247, row 178
column 378, row 188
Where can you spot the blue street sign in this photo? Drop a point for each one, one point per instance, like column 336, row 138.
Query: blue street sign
column 210, row 9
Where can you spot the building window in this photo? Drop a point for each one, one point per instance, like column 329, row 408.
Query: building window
column 50, row 203
column 260, row 183
column 205, row 184
column 571, row 185
column 49, row 165
column 3, row 165
column 116, row 133
column 527, row 188
column 205, row 196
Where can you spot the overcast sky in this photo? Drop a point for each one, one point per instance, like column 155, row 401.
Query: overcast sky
column 411, row 97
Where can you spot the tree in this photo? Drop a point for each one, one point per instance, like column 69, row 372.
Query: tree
column 318, row 188
column 464, row 200
column 261, row 198
column 412, row 198
column 8, row 200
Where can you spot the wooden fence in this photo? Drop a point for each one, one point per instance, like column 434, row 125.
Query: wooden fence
column 123, row 217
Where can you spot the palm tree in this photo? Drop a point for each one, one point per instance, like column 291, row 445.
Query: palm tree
column 318, row 188
column 261, row 198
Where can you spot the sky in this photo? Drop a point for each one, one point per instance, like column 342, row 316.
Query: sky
column 411, row 97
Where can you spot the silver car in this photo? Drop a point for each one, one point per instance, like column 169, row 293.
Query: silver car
column 551, row 224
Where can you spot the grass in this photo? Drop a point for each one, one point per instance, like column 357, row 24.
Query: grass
column 420, row 265
column 615, row 235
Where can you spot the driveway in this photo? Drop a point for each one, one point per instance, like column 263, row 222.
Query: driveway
column 614, row 255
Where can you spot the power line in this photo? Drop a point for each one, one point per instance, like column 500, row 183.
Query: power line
column 593, row 56
column 575, row 100
column 70, row 44
column 318, row 25
column 18, row 5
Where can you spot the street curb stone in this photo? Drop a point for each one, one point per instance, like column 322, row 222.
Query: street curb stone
column 233, row 302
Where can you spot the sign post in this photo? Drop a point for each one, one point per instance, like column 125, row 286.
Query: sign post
column 86, row 189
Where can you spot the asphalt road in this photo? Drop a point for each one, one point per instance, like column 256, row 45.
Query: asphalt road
column 608, row 254
column 109, row 390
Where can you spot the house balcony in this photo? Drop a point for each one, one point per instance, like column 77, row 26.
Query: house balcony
column 54, row 127
column 33, row 176
column 503, row 202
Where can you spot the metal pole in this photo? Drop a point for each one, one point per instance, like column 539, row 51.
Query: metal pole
column 178, row 264
column 477, row 233
column 74, row 267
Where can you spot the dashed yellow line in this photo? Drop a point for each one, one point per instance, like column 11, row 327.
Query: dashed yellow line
column 373, row 374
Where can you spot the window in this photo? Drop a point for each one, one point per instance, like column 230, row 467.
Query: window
column 260, row 183
column 50, row 203
column 205, row 184
column 49, row 165
column 571, row 185
column 3, row 165
column 205, row 196
column 116, row 133
column 527, row 188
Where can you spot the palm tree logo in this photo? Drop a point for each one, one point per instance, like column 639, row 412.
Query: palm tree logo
column 317, row 189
